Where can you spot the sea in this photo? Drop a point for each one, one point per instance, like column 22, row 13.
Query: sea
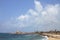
column 6, row 36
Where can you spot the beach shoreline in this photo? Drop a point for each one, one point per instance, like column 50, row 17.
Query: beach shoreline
column 52, row 36
column 49, row 35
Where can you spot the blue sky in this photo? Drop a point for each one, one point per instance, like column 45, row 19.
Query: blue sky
column 29, row 15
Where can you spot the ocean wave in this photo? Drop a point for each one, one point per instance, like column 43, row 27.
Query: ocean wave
column 45, row 38
column 23, row 37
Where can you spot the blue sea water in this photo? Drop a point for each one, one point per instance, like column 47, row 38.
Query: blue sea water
column 5, row 36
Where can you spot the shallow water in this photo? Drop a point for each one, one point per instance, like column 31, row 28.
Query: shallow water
column 4, row 36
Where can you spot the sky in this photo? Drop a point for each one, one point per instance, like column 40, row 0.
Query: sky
column 29, row 15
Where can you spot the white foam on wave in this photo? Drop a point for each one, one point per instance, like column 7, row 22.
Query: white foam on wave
column 46, row 38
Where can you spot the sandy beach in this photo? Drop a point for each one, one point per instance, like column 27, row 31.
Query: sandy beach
column 53, row 36
column 50, row 38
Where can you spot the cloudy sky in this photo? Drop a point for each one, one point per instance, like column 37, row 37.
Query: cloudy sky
column 29, row 15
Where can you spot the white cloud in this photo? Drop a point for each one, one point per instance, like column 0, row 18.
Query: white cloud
column 40, row 17
column 52, row 9
column 44, row 13
column 44, row 19
column 38, row 6
column 32, row 12
column 22, row 17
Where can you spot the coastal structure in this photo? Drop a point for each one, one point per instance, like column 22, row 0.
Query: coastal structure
column 18, row 32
